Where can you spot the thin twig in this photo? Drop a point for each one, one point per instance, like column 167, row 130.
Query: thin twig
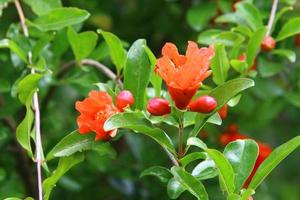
column 38, row 144
column 172, row 158
column 180, row 148
column 110, row 74
column 272, row 17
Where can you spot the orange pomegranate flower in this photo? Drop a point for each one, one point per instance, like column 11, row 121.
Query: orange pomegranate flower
column 184, row 74
column 94, row 111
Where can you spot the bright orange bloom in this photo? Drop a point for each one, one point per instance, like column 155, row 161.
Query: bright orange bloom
column 94, row 111
column 184, row 74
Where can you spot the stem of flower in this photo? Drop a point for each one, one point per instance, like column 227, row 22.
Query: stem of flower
column 272, row 16
column 38, row 143
column 180, row 148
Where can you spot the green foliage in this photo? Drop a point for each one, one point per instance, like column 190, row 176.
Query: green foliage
column 220, row 65
column 42, row 7
column 289, row 29
column 59, row 18
column 137, row 72
column 82, row 44
column 163, row 174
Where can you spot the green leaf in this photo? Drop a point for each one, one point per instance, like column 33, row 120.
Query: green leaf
column 225, row 169
column 247, row 193
column 222, row 94
column 41, row 7
column 229, row 38
column 242, row 156
column 82, row 44
column 76, row 142
column 192, row 157
column 155, row 80
column 40, row 44
column 239, row 66
column 137, row 121
column 23, row 130
column 162, row 173
column 254, row 45
column 6, row 43
column 215, row 119
column 117, row 52
column 199, row 16
column 289, row 54
column 230, row 18
column 64, row 165
column 233, row 197
column 27, row 85
column 174, row 188
column 60, row 18
column 289, row 29
column 137, row 72
column 194, row 141
column 243, row 29
column 273, row 160
column 207, row 37
column 205, row 170
column 250, row 14
column 268, row 68
column 194, row 186
column 279, row 15
column 219, row 64
column 293, row 98
column 234, row 101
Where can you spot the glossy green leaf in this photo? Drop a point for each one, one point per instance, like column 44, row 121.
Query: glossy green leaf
column 225, row 169
column 229, row 38
column 243, row 30
column 41, row 7
column 242, row 156
column 192, row 157
column 229, row 18
column 205, row 170
column 137, row 72
column 162, row 173
column 60, row 18
column 246, row 193
column 223, row 94
column 234, row 101
column 174, row 188
column 64, row 165
column 215, row 119
column 6, row 43
column 194, row 186
column 82, row 44
column 116, row 50
column 137, row 121
column 76, row 142
column 207, row 37
column 254, row 45
column 219, row 64
column 233, row 197
column 279, row 15
column 289, row 54
column 250, row 14
column 239, row 66
column 194, row 141
column 155, row 80
column 273, row 160
column 27, row 85
column 199, row 16
column 289, row 29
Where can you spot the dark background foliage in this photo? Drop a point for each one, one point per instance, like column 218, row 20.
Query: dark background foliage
column 268, row 112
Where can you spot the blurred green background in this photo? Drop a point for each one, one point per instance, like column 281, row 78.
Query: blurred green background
column 268, row 112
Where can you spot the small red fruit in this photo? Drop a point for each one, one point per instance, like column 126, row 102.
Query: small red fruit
column 297, row 40
column 124, row 99
column 158, row 106
column 203, row 104
column 268, row 43
column 223, row 111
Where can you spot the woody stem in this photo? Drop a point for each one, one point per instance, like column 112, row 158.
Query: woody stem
column 272, row 16
column 35, row 101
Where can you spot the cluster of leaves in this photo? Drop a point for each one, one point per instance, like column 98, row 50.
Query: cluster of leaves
column 53, row 29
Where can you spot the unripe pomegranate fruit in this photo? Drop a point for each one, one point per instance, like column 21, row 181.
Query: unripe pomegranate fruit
column 124, row 99
column 297, row 41
column 223, row 111
column 158, row 106
column 203, row 104
column 268, row 43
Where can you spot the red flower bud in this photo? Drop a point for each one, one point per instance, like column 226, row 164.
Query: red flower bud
column 203, row 104
column 268, row 43
column 297, row 40
column 223, row 111
column 158, row 107
column 124, row 99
